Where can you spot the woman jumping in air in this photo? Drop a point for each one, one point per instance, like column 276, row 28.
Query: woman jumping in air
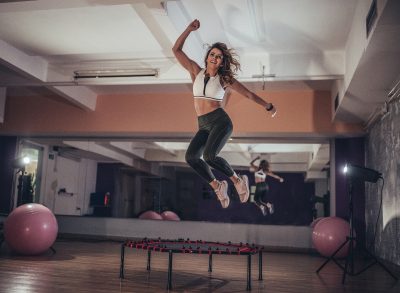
column 262, row 189
column 210, row 86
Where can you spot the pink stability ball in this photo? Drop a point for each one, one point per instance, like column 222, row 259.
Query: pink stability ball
column 150, row 215
column 315, row 222
column 328, row 234
column 30, row 229
column 170, row 216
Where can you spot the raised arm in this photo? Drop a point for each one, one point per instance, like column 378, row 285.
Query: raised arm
column 275, row 176
column 241, row 89
column 182, row 58
column 253, row 165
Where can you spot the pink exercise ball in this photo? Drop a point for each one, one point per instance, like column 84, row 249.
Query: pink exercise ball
column 328, row 234
column 315, row 222
column 170, row 216
column 30, row 229
column 150, row 215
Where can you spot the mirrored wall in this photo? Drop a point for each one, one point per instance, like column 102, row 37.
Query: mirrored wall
column 146, row 178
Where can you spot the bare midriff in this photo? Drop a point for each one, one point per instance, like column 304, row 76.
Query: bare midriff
column 204, row 106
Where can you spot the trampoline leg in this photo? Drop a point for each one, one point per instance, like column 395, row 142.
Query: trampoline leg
column 260, row 277
column 121, row 268
column 210, row 263
column 169, row 284
column 148, row 259
column 248, row 272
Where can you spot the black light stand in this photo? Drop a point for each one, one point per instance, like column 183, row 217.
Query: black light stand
column 24, row 187
column 363, row 174
column 24, row 182
column 20, row 185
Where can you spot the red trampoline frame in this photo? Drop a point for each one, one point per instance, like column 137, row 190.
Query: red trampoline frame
column 194, row 247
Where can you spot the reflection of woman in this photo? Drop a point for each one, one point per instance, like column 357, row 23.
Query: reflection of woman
column 211, row 85
column 262, row 189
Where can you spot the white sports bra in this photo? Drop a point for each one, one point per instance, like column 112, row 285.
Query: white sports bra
column 260, row 175
column 208, row 89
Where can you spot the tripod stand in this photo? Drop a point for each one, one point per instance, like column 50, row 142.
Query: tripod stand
column 348, row 268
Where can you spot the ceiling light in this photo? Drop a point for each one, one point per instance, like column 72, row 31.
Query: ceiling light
column 114, row 76
column 115, row 73
column 139, row 72
column 362, row 173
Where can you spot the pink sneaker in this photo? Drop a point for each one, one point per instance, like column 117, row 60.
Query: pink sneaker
column 270, row 207
column 222, row 193
column 263, row 210
column 242, row 188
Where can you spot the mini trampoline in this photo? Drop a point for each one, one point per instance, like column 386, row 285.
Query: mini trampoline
column 193, row 247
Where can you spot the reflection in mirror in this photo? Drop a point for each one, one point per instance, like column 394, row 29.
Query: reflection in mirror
column 28, row 170
column 143, row 179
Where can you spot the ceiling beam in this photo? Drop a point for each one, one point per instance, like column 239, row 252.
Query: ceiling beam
column 180, row 18
column 159, row 34
column 93, row 147
column 80, row 96
column 138, row 164
column 130, row 147
column 319, row 158
column 30, row 66
column 36, row 69
column 313, row 175
column 255, row 8
column 212, row 26
column 164, row 147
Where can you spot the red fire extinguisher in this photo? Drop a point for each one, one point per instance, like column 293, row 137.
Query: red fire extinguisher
column 107, row 199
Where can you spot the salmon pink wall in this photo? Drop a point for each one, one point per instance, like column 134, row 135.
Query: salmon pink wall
column 299, row 113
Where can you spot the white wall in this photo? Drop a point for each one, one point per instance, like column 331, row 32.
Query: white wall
column 289, row 237
column 274, row 236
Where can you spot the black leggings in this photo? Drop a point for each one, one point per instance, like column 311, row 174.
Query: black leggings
column 261, row 193
column 215, row 128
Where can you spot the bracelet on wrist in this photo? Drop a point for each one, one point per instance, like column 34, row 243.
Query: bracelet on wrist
column 269, row 107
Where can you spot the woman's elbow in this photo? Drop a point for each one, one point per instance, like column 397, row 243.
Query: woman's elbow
column 175, row 49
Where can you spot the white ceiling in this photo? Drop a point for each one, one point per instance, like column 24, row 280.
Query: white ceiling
column 306, row 44
column 295, row 40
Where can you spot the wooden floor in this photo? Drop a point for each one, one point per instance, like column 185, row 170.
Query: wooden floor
column 83, row 266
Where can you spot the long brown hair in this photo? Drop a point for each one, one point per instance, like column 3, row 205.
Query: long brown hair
column 264, row 165
column 230, row 63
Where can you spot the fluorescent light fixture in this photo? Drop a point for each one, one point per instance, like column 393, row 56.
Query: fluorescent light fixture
column 115, row 73
column 114, row 76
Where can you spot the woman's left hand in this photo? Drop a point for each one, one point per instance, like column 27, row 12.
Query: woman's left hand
column 194, row 25
column 271, row 108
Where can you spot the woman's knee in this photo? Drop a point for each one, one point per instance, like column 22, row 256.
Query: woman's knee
column 209, row 158
column 191, row 159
